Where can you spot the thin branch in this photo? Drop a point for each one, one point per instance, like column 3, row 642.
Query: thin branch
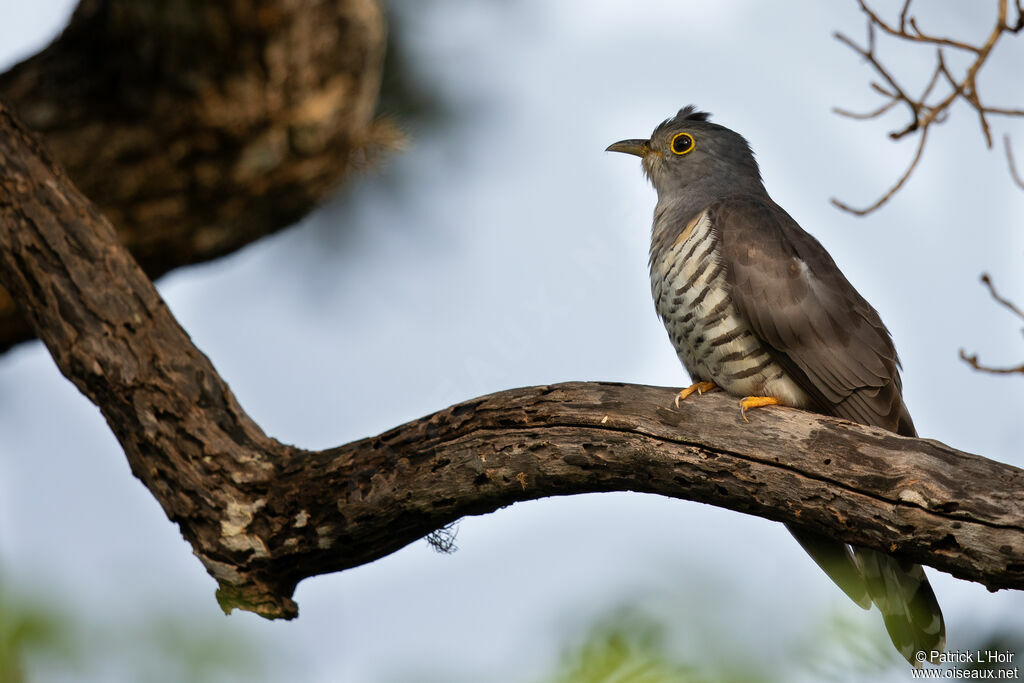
column 924, row 111
column 892, row 190
column 869, row 55
column 972, row 360
column 883, row 92
column 1019, row 24
column 1017, row 179
column 987, row 281
column 918, row 35
column 972, row 97
column 869, row 115
column 1003, row 111
column 935, row 76
column 903, row 14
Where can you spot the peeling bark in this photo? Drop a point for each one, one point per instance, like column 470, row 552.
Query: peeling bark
column 262, row 515
column 197, row 127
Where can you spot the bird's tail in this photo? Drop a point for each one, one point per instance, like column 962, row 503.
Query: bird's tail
column 899, row 589
column 906, row 601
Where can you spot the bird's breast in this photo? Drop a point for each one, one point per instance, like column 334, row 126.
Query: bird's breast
column 714, row 342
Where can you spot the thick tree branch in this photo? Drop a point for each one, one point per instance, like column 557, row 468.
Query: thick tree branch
column 261, row 515
column 197, row 127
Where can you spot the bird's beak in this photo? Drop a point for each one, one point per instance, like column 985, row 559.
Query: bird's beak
column 640, row 148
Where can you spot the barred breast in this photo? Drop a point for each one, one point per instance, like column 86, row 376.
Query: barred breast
column 691, row 294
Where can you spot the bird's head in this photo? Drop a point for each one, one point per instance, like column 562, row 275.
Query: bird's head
column 689, row 153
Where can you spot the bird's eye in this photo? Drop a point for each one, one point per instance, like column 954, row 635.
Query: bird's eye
column 682, row 143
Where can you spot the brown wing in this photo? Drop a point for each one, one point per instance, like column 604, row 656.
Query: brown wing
column 833, row 344
column 820, row 330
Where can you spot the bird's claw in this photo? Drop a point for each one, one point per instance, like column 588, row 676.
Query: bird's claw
column 756, row 402
column 699, row 387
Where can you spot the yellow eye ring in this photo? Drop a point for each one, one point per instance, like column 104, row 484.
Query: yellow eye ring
column 682, row 143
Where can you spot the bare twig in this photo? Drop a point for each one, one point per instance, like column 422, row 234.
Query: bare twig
column 972, row 360
column 1004, row 111
column 917, row 35
column 987, row 281
column 869, row 54
column 924, row 110
column 869, row 115
column 894, row 189
column 1013, row 166
column 1019, row 24
column 903, row 15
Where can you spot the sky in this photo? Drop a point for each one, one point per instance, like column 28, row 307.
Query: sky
column 505, row 248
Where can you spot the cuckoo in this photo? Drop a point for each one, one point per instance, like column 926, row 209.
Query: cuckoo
column 756, row 306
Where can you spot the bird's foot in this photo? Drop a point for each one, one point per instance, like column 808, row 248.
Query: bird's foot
column 756, row 402
column 699, row 387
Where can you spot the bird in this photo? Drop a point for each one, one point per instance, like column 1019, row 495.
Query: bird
column 756, row 306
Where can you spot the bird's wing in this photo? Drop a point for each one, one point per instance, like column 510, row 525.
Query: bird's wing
column 819, row 329
column 832, row 343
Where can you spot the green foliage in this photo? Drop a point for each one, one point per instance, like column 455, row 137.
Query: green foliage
column 39, row 640
column 839, row 648
column 28, row 628
column 630, row 647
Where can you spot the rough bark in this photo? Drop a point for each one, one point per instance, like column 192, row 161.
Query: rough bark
column 262, row 515
column 197, row 127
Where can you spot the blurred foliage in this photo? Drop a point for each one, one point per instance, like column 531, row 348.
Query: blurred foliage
column 630, row 647
column 838, row 648
column 28, row 628
column 41, row 641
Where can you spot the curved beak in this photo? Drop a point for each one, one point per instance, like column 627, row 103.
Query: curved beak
column 640, row 148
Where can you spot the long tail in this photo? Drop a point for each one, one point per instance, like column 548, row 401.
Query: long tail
column 906, row 601
column 899, row 589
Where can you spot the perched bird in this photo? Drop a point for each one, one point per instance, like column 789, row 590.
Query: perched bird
column 756, row 306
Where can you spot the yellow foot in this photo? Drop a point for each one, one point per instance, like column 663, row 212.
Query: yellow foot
column 757, row 402
column 699, row 387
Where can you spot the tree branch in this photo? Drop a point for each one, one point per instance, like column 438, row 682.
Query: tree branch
column 925, row 113
column 198, row 127
column 972, row 359
column 261, row 515
column 892, row 190
column 1018, row 180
